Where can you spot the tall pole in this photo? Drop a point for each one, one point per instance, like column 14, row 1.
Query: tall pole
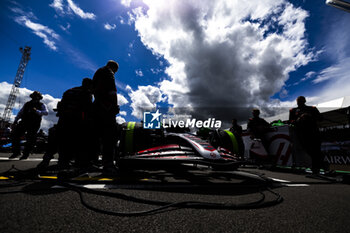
column 343, row 5
column 18, row 79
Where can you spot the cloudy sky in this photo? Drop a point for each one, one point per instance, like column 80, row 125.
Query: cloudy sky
column 222, row 57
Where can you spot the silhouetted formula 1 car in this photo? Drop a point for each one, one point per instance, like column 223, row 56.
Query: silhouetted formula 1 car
column 148, row 148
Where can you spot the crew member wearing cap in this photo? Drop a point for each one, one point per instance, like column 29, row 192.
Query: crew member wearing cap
column 105, row 109
column 304, row 119
column 28, row 122
column 257, row 126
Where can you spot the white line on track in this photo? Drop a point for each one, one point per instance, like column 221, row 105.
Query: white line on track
column 90, row 186
column 29, row 159
column 296, row 185
column 279, row 180
column 285, row 183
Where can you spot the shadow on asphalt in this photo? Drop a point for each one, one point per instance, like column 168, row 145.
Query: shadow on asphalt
column 192, row 181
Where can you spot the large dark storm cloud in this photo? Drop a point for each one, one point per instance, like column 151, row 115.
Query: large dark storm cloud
column 227, row 55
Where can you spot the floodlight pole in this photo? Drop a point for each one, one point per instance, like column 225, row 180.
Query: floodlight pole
column 343, row 5
column 18, row 79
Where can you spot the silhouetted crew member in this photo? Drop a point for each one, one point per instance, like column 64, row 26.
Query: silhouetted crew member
column 257, row 126
column 6, row 131
column 304, row 118
column 235, row 128
column 30, row 119
column 51, row 148
column 105, row 108
column 74, row 125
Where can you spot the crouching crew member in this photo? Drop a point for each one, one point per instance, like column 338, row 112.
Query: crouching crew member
column 51, row 148
column 74, row 126
column 27, row 122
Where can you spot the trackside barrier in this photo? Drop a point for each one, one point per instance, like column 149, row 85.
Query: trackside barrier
column 285, row 149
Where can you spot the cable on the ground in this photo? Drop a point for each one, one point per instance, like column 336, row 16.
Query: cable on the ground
column 163, row 206
column 166, row 205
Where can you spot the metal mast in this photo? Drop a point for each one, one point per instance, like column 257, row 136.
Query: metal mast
column 343, row 5
column 18, row 79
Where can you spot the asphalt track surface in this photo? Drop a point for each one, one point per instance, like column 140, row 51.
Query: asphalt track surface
column 32, row 204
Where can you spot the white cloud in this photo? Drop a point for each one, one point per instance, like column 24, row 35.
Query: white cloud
column 126, row 2
column 19, row 11
column 156, row 70
column 123, row 113
column 122, row 20
column 128, row 21
column 139, row 73
column 337, row 85
column 333, row 81
column 51, row 119
column 108, row 26
column 224, row 53
column 47, row 34
column 283, row 93
column 337, row 37
column 128, row 88
column 122, row 100
column 71, row 7
column 78, row 58
column 337, row 49
column 144, row 98
column 131, row 16
column 58, row 5
column 338, row 77
column 308, row 75
column 27, row 18
column 22, row 98
column 78, row 11
column 120, row 120
column 66, row 28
